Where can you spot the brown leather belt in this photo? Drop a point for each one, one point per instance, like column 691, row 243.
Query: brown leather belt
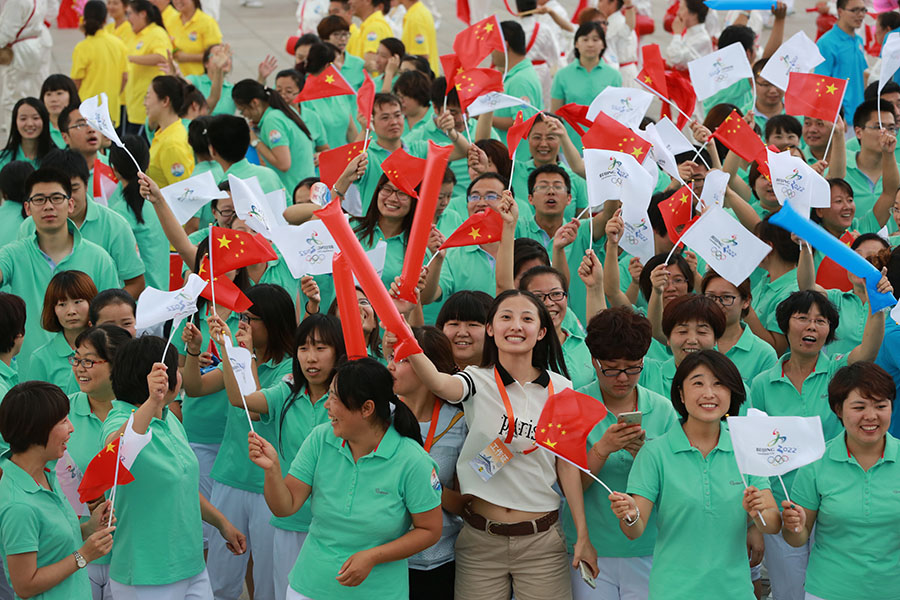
column 510, row 529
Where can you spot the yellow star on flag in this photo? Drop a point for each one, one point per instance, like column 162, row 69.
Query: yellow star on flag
column 551, row 444
column 647, row 79
column 224, row 242
column 831, row 88
column 475, row 233
column 110, row 448
column 636, row 152
column 489, row 27
column 683, row 199
column 329, row 79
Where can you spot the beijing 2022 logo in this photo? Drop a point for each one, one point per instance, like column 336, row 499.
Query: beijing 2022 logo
column 776, row 451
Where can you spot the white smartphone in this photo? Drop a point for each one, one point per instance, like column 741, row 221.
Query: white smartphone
column 631, row 418
column 586, row 575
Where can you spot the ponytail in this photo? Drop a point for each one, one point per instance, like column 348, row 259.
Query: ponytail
column 405, row 422
column 94, row 16
column 276, row 101
column 122, row 163
column 247, row 90
column 150, row 9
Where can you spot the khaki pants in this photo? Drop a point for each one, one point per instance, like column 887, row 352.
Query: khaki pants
column 536, row 565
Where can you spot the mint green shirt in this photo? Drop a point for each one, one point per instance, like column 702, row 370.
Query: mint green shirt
column 352, row 70
column 358, row 505
column 35, row 519
column 751, row 356
column 578, row 359
column 232, row 466
column 335, row 114
column 9, row 378
column 377, row 155
column 151, row 240
column 865, row 191
column 225, row 105
column 50, row 363
column 854, row 313
column 10, row 220
column 393, row 259
column 26, row 273
column 464, row 268
column 275, row 130
column 522, row 81
column 269, row 179
column 657, row 417
column 657, row 376
column 698, row 509
column 853, row 555
column 574, row 83
column 740, row 94
column 520, row 191
column 767, row 295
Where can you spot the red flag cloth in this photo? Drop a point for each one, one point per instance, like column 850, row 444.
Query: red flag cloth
column 475, row 83
column 676, row 213
column 232, row 249
column 653, row 75
column 582, row 4
column 371, row 283
column 333, row 162
column 105, row 180
column 739, row 137
column 423, row 219
column 518, row 131
column 176, row 281
column 101, row 473
column 831, row 275
column 608, row 134
column 481, row 228
column 326, row 84
column 452, row 68
column 462, row 11
column 474, row 43
column 227, row 293
column 576, row 116
column 682, row 93
column 348, row 307
column 365, row 98
column 404, row 171
column 566, row 420
column 816, row 96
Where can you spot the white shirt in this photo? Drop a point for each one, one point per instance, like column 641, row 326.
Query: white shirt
column 565, row 38
column 694, row 44
column 525, row 482
column 622, row 43
column 545, row 52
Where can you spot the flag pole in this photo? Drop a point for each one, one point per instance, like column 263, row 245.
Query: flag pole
column 366, row 139
column 512, row 169
column 112, row 496
column 783, row 487
column 664, row 99
column 247, row 411
column 834, row 121
column 697, row 155
column 468, row 133
column 744, row 480
column 590, row 220
column 171, row 337
column 212, row 279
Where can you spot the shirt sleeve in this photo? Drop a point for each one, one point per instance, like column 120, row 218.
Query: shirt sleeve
column 177, row 162
column 123, row 249
column 79, row 62
column 158, row 45
column 273, row 134
column 212, row 34
column 805, row 491
column 421, row 485
column 304, row 464
column 646, row 475
column 757, row 392
column 19, row 529
column 275, row 401
column 7, row 266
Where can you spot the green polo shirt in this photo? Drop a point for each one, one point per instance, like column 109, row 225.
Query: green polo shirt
column 151, row 240
column 159, row 537
column 740, row 94
column 698, row 508
column 316, row 129
column 658, row 417
column 8, row 157
column 393, row 258
column 56, row 136
column 9, row 377
column 421, row 124
column 205, row 417
column 268, row 178
column 278, row 273
column 50, row 363
column 464, row 268
column 578, row 359
column 520, row 191
column 377, row 155
column 10, row 220
column 335, row 114
column 657, row 376
column 449, row 221
column 751, row 355
column 854, row 313
column 773, row 393
column 853, row 555
column 352, row 70
column 225, row 105
column 291, row 418
column 35, row 519
column 767, row 295
column 109, row 231
column 276, row 129
column 27, row 272
column 865, row 191
column 232, row 466
column 574, row 83
column 357, row 505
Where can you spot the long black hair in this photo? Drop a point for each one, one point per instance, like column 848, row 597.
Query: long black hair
column 122, row 163
column 367, row 379
column 148, row 8
column 14, row 142
column 94, row 16
column 365, row 225
column 274, row 306
column 547, row 353
column 246, row 90
column 58, row 81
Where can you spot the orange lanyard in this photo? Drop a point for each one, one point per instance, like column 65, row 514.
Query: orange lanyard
column 429, row 440
column 511, row 417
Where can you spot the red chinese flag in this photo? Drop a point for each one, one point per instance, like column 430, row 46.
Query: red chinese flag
column 404, row 171
column 333, row 162
column 176, row 281
column 567, row 419
column 232, row 249
column 105, row 181
column 815, row 96
column 462, row 11
column 481, row 228
column 475, row 83
column 682, row 93
column 676, row 213
column 326, row 84
column 653, row 75
column 101, row 473
column 576, row 116
column 833, row 276
column 474, row 43
column 740, row 137
column 227, row 293
column 518, row 131
column 451, row 67
column 348, row 307
column 365, row 98
column 608, row 134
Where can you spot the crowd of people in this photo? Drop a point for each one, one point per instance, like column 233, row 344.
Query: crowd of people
column 344, row 476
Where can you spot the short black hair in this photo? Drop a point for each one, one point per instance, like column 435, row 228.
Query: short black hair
column 415, row 85
column 134, row 362
column 801, row 302
column 106, row 340
column 586, row 29
column 698, row 7
column 420, row 63
column 69, row 162
column 465, row 305
column 62, row 121
column 872, row 92
column 723, row 370
column 48, row 175
column 514, row 36
column 785, row 124
column 630, row 330
column 12, row 320
column 737, row 34
column 676, row 259
column 779, row 239
column 538, row 270
column 394, row 46
column 487, row 175
column 526, row 250
column 229, row 136
column 551, row 168
column 865, row 110
column 28, row 413
column 12, row 182
column 868, row 379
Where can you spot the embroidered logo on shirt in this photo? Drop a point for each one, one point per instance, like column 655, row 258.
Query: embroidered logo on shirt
column 371, row 36
column 274, row 136
column 192, row 36
column 139, row 45
column 435, row 482
column 420, row 39
column 177, row 169
column 381, row 492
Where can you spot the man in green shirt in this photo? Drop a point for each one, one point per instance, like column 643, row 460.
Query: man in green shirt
column 521, row 79
column 864, row 167
column 229, row 139
column 82, row 138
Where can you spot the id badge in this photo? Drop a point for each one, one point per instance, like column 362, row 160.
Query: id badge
column 490, row 460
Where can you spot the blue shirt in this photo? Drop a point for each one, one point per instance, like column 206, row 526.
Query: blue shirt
column 844, row 59
column 889, row 360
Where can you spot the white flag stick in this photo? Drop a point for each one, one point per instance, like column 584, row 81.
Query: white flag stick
column 468, row 133
column 212, row 285
column 112, row 495
column 171, row 337
column 697, row 154
column 666, row 100
column 431, row 260
column 366, row 139
column 834, row 123
column 247, row 411
column 761, row 519
column 590, row 220
column 512, row 169
column 783, row 487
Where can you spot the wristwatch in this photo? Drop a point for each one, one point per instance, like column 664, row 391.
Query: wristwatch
column 79, row 560
column 254, row 143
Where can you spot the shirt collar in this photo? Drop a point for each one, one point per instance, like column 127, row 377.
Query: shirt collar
column 543, row 378
column 20, row 478
column 386, row 448
column 837, row 451
column 678, row 441
column 745, row 342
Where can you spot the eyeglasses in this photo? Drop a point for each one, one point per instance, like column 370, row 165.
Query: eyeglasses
column 616, row 372
column 87, row 363
column 341, row 35
column 856, row 11
column 227, row 213
column 79, row 125
column 726, row 300
column 805, row 321
column 892, row 129
column 363, row 302
column 556, row 187
column 678, row 281
column 386, row 192
column 489, row 197
column 55, row 199
column 555, row 295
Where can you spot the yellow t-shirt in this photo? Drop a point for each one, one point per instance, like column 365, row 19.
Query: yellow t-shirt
column 194, row 37
column 419, row 35
column 169, row 16
column 152, row 39
column 99, row 61
column 124, row 31
column 370, row 33
column 171, row 157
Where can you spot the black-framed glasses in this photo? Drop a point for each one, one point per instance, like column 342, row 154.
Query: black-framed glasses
column 616, row 372
column 724, row 300
column 55, row 199
column 386, row 192
column 227, row 213
column 87, row 363
column 555, row 295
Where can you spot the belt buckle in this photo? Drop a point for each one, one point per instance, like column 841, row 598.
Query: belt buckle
column 489, row 527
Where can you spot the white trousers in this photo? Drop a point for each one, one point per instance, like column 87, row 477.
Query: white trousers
column 619, row 579
column 249, row 513
column 295, row 595
column 286, row 548
column 787, row 567
column 99, row 576
column 192, row 588
column 206, row 456
column 811, row 597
